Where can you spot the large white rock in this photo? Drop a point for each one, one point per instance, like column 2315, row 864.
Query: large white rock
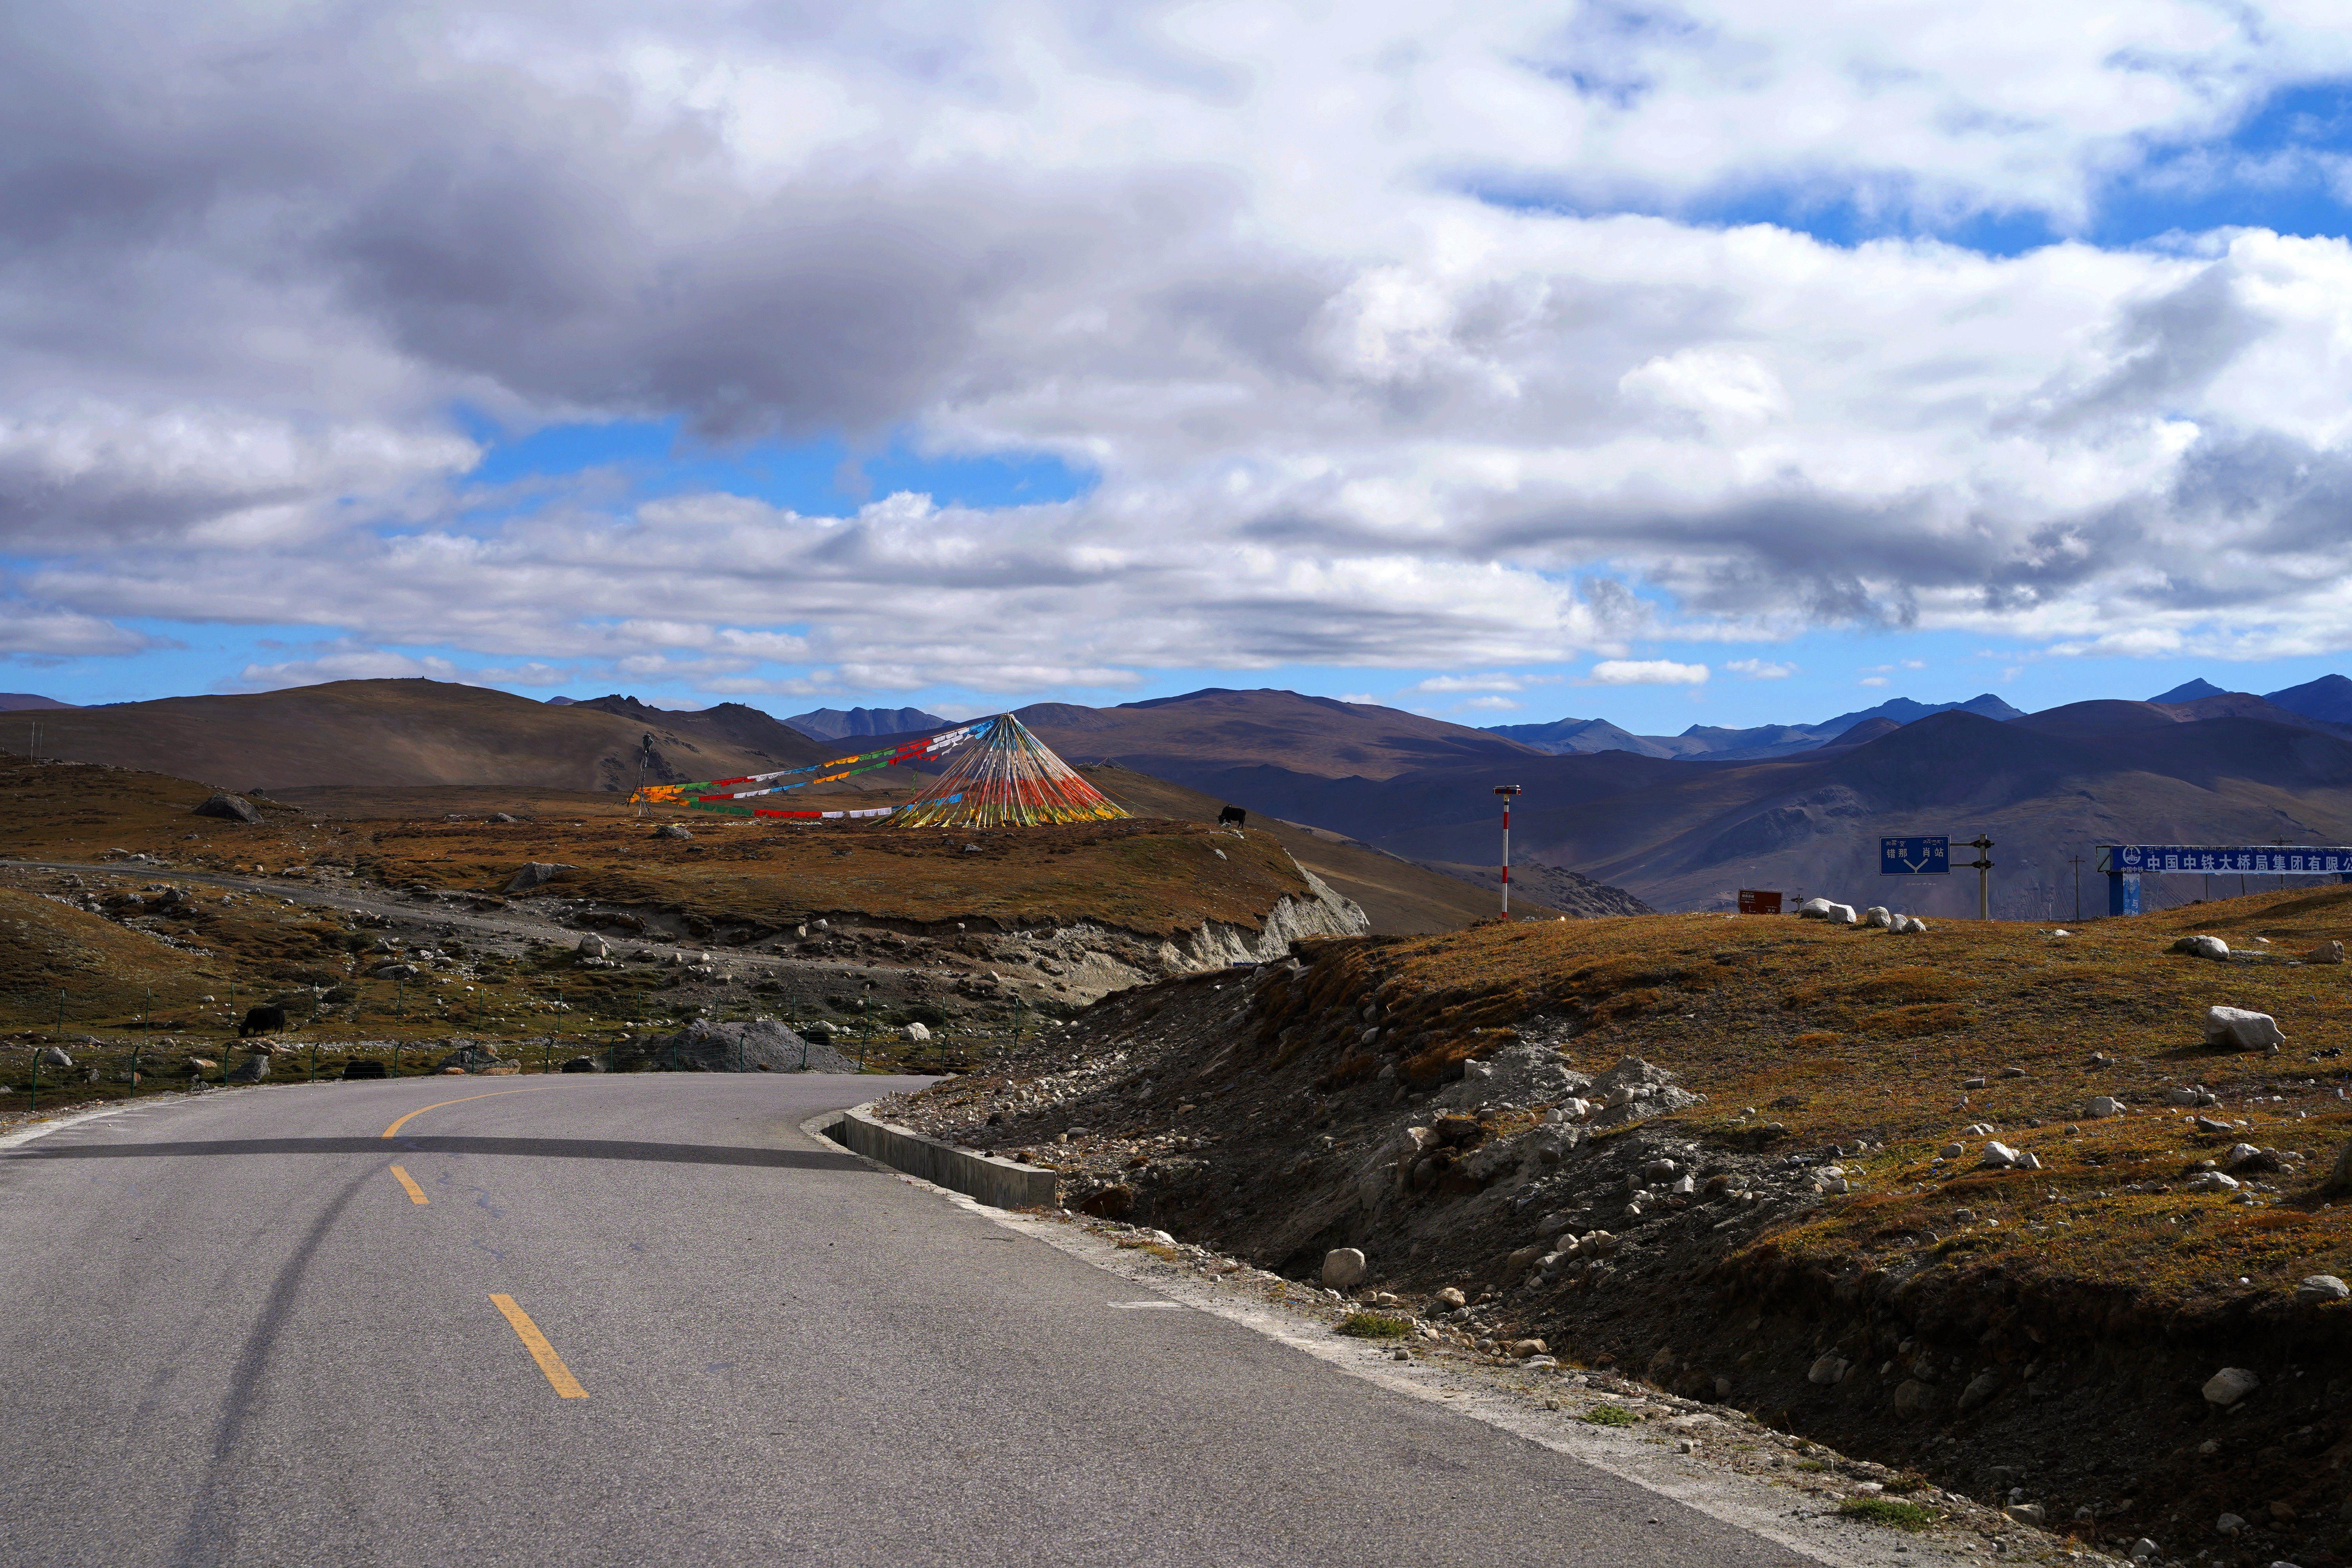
column 1828, row 1369
column 2230, row 1385
column 2101, row 1105
column 2242, row 1030
column 594, row 946
column 1842, row 915
column 2203, row 947
column 1998, row 1156
column 918, row 1033
column 2318, row 1288
column 2212, row 1182
column 1343, row 1269
column 1877, row 917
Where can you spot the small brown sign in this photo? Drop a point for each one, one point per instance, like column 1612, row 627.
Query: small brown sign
column 1755, row 901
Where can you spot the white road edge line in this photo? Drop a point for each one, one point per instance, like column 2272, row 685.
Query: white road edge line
column 1603, row 1448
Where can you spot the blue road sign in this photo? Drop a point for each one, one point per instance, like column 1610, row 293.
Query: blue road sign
column 1913, row 857
column 2270, row 860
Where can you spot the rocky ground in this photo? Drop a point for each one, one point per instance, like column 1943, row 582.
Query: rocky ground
column 1891, row 1290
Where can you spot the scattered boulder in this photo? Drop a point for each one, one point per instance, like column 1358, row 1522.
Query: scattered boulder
column 2246, row 1157
column 2103, row 1105
column 1912, row 1396
column 2143, row 1549
column 761, row 1045
column 594, row 947
column 254, row 1068
column 396, row 972
column 2032, row 1513
column 1520, row 1350
column 504, row 816
column 2326, row 952
column 228, row 807
column 2229, row 1524
column 2240, row 1030
column 1841, row 915
column 1952, row 1151
column 1997, row 1157
column 2229, row 1384
column 2200, row 946
column 2212, row 1182
column 1449, row 1300
column 580, row 1064
column 1877, row 918
column 1343, row 1269
column 1981, row 1387
column 472, row 1056
column 670, row 830
column 1830, row 1369
column 2319, row 1287
column 918, row 1033
column 534, row 874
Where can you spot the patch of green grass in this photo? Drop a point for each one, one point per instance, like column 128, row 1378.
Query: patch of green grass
column 1901, row 1484
column 1374, row 1326
column 1611, row 1416
column 1811, row 1465
column 1889, row 1512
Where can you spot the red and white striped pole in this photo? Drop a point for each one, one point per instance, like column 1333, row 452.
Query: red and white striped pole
column 1506, row 792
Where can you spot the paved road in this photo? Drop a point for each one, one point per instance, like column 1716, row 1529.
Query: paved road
column 229, row 1335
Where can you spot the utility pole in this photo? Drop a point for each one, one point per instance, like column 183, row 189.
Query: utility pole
column 2076, row 861
column 1982, row 867
column 1506, row 792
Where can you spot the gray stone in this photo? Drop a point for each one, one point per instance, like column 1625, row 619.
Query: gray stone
column 53, row 1056
column 2103, row 1105
column 255, row 1069
column 1877, row 918
column 1343, row 1269
column 1981, row 1387
column 396, row 972
column 535, row 874
column 2181, row 1097
column 2318, row 1288
column 2240, row 1030
column 1953, row 1151
column 760, row 1045
column 230, row 807
column 2229, row 1524
column 2029, row 1161
column 670, row 830
column 1912, row 1396
column 2143, row 1549
column 2212, row 1182
column 918, row 1033
column 2230, row 1385
column 2326, row 952
column 594, row 946
column 2032, row 1513
column 2211, row 947
column 1828, row 1369
column 1997, row 1157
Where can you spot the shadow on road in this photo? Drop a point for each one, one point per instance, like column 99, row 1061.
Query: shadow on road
column 542, row 1148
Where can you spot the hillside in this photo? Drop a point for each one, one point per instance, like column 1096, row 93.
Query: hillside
column 1799, row 1205
column 1207, row 734
column 1684, row 835
column 392, row 732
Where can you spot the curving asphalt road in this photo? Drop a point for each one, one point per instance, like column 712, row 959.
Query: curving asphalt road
column 643, row 1320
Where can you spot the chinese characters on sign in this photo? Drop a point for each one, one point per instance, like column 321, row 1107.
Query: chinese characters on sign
column 1914, row 857
column 2130, row 859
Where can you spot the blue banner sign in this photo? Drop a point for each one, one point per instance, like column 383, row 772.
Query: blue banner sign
column 2270, row 860
column 1913, row 857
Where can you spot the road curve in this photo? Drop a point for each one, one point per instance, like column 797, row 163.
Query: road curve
column 642, row 1319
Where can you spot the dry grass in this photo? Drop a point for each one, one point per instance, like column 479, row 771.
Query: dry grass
column 1803, row 1036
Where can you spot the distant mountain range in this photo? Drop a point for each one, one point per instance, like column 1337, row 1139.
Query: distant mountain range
column 16, row 702
column 1682, row 822
column 834, row 725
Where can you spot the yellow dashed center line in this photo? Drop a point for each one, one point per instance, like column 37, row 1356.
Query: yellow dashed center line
column 438, row 1104
column 566, row 1385
column 415, row 1193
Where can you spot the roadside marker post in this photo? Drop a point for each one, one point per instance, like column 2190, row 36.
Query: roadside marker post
column 1507, row 791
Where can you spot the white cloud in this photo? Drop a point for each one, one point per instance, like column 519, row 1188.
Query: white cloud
column 1645, row 672
column 1495, row 681
column 1385, row 333
column 1760, row 670
column 1871, row 680
column 1490, row 705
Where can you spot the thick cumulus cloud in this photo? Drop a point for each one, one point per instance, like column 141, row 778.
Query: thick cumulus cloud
column 1394, row 336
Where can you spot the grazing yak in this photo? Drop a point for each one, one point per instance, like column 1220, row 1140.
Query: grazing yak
column 1232, row 816
column 269, row 1020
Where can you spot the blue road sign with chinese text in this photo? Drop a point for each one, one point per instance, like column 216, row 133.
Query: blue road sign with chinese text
column 2271, row 860
column 1913, row 857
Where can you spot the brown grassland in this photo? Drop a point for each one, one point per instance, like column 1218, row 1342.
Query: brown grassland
column 1803, row 1035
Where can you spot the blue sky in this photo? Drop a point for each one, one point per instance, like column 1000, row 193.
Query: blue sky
column 1711, row 364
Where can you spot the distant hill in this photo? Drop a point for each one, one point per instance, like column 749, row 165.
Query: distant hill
column 1715, row 743
column 834, row 725
column 1205, row 733
column 2329, row 698
column 17, row 701
column 2043, row 788
column 2188, row 691
column 394, row 733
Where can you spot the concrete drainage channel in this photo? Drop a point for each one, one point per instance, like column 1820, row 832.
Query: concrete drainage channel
column 1000, row 1184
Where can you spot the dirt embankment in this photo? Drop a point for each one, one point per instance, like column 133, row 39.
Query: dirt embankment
column 1719, row 1153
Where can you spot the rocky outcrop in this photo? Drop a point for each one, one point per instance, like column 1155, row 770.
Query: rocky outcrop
column 1214, row 944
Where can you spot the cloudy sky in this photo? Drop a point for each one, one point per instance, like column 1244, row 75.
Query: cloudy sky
column 1725, row 362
